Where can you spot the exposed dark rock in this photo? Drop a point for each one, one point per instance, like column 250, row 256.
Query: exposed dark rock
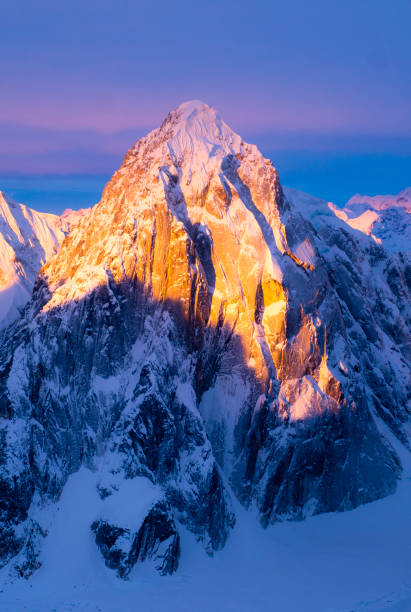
column 156, row 540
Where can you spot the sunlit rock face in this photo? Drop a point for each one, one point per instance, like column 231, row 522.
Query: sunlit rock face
column 192, row 335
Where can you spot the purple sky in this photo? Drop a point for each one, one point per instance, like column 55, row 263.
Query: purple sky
column 82, row 80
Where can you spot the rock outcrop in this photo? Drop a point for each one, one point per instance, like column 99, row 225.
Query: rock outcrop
column 156, row 539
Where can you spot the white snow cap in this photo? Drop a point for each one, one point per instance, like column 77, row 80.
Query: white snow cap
column 196, row 122
column 195, row 138
column 193, row 133
column 195, row 107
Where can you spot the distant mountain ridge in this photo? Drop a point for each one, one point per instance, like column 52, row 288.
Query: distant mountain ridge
column 385, row 218
column 382, row 202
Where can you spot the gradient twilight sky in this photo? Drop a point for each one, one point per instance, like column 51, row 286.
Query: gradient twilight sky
column 323, row 87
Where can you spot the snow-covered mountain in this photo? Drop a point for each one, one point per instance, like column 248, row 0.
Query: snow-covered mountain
column 385, row 218
column 202, row 338
column 27, row 240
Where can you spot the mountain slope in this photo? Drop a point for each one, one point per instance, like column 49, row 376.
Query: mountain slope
column 373, row 285
column 199, row 336
column 27, row 240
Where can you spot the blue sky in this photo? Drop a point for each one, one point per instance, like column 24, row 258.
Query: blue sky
column 322, row 87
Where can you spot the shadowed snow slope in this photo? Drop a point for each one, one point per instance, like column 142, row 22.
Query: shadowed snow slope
column 358, row 560
column 204, row 343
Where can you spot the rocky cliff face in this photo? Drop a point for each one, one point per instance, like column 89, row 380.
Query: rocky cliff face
column 200, row 335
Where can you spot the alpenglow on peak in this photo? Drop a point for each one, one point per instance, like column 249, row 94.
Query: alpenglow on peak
column 193, row 129
column 194, row 138
column 196, row 329
column 193, row 113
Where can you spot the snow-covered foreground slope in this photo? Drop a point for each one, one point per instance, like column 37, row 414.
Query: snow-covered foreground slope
column 358, row 560
column 27, row 240
column 205, row 344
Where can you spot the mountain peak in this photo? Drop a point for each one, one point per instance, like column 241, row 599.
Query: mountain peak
column 193, row 140
column 195, row 125
column 194, row 329
column 5, row 199
column 194, row 108
column 198, row 119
